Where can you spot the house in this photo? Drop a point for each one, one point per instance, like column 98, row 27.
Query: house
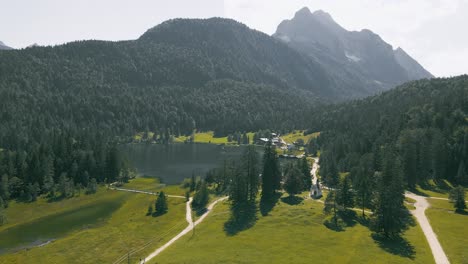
column 316, row 191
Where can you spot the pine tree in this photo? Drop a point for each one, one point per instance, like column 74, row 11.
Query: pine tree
column 271, row 176
column 462, row 177
column 293, row 180
column 391, row 216
column 267, row 174
column 363, row 182
column 345, row 196
column 250, row 168
column 150, row 209
column 4, row 192
column 2, row 212
column 92, row 186
column 192, row 183
column 333, row 177
column 457, row 197
column 161, row 204
column 331, row 205
column 201, row 197
column 306, row 177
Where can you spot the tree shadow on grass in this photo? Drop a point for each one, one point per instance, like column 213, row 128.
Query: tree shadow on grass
column 345, row 218
column 333, row 225
column 156, row 214
column 349, row 217
column 461, row 212
column 266, row 205
column 242, row 218
column 395, row 245
column 292, row 200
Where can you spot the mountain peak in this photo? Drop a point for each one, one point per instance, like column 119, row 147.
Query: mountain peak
column 305, row 11
column 4, row 47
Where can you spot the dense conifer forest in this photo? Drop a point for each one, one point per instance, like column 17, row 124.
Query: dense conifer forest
column 424, row 122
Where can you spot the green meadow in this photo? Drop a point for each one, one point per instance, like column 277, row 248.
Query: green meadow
column 451, row 229
column 292, row 232
column 100, row 228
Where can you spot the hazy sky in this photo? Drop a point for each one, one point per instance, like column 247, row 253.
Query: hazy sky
column 435, row 32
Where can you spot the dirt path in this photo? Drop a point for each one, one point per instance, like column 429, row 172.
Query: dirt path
column 313, row 171
column 144, row 192
column 421, row 206
column 187, row 229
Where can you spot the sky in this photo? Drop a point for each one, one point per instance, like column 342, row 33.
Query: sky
column 434, row 32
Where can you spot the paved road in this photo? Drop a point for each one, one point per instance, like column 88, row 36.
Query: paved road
column 186, row 230
column 421, row 206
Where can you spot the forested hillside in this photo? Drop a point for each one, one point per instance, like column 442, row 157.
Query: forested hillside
column 63, row 108
column 424, row 123
column 211, row 74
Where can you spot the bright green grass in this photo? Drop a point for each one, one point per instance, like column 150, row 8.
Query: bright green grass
column 204, row 137
column 19, row 213
column 451, row 229
column 432, row 189
column 104, row 240
column 295, row 135
column 289, row 234
column 153, row 185
column 57, row 225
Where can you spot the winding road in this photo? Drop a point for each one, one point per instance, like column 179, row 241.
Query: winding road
column 419, row 213
column 188, row 218
column 187, row 229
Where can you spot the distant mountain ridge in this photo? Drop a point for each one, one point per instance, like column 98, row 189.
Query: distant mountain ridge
column 4, row 47
column 184, row 74
column 362, row 58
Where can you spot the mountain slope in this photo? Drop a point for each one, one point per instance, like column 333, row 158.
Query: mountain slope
column 362, row 58
column 424, row 122
column 4, row 47
column 412, row 67
column 213, row 74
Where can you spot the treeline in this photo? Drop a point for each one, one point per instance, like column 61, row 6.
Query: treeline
column 425, row 123
column 59, row 166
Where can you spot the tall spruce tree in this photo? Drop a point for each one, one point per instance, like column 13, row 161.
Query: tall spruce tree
column 161, row 204
column 331, row 206
column 462, row 176
column 268, row 173
column 363, row 182
column 345, row 196
column 201, row 197
column 2, row 212
column 306, row 177
column 293, row 180
column 457, row 197
column 391, row 216
column 249, row 163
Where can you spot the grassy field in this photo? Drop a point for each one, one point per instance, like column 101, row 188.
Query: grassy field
column 432, row 189
column 204, row 137
column 451, row 229
column 153, row 185
column 90, row 229
column 291, row 233
column 295, row 135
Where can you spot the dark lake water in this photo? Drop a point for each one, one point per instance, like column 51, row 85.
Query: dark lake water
column 172, row 163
